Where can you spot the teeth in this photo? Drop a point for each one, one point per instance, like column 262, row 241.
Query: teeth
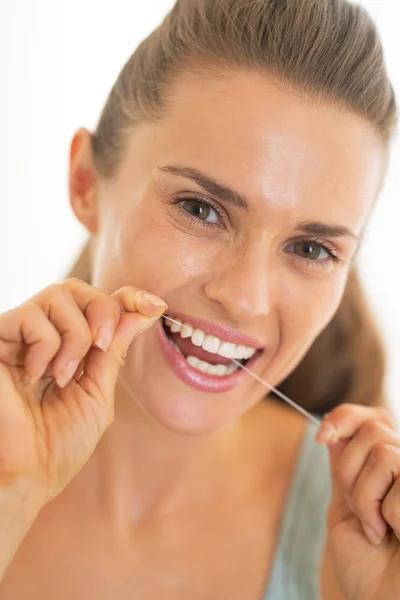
column 227, row 349
column 205, row 367
column 175, row 327
column 198, row 337
column 249, row 353
column 222, row 370
column 186, row 331
column 211, row 343
column 193, row 361
column 240, row 352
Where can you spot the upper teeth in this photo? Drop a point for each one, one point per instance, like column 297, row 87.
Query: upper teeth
column 211, row 343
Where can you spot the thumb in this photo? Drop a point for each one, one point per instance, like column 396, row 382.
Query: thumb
column 102, row 368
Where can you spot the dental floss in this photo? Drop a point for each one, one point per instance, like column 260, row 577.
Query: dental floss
column 300, row 409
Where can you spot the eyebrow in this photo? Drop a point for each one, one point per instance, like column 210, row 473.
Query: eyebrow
column 211, row 185
column 319, row 228
column 235, row 199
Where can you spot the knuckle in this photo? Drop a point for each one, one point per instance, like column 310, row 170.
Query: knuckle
column 114, row 307
column 343, row 411
column 381, row 453
column 386, row 415
column 53, row 293
column 103, row 308
column 31, row 310
column 55, row 289
column 52, row 339
column 358, row 500
column 121, row 359
column 81, row 338
column 111, row 304
column 371, row 429
column 72, row 283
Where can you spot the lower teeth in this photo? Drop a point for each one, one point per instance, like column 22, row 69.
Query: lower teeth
column 205, row 367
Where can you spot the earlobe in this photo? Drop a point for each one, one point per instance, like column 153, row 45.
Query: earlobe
column 83, row 180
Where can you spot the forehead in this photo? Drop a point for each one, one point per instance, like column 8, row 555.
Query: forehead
column 271, row 145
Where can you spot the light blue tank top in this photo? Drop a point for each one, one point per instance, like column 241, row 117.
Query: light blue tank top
column 298, row 557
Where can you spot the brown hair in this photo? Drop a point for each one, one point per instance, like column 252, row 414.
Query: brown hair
column 324, row 50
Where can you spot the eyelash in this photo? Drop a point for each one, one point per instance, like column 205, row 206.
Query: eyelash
column 330, row 250
column 177, row 202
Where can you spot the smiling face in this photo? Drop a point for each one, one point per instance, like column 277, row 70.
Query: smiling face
column 241, row 208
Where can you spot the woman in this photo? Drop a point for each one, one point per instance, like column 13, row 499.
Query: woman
column 231, row 175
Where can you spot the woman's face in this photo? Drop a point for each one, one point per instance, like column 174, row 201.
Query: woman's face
column 242, row 209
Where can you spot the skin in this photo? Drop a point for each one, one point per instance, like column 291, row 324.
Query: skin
column 178, row 465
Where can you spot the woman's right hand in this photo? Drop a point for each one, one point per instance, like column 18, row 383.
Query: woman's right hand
column 60, row 355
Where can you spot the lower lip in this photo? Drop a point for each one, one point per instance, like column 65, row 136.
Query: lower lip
column 193, row 377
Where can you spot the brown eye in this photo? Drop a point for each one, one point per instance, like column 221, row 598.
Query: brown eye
column 310, row 250
column 200, row 210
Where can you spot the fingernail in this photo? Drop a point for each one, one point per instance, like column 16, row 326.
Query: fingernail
column 67, row 373
column 153, row 300
column 372, row 535
column 104, row 336
column 327, row 434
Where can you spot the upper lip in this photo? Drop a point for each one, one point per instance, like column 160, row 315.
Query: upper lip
column 220, row 331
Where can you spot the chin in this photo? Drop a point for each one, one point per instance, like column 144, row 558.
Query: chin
column 178, row 378
column 178, row 408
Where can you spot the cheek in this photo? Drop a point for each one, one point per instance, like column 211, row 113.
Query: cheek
column 148, row 251
column 307, row 306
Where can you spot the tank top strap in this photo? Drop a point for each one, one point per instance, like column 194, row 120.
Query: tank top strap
column 298, row 557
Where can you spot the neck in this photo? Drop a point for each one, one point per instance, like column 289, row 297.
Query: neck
column 141, row 469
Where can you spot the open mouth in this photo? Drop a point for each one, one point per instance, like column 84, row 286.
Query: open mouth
column 204, row 352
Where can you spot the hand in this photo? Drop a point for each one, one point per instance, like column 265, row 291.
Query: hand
column 60, row 355
column 364, row 514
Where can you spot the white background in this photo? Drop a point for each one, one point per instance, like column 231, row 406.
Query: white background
column 58, row 61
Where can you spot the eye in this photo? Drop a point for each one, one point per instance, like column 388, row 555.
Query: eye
column 311, row 250
column 201, row 210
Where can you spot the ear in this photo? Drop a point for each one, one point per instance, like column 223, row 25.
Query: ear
column 83, row 180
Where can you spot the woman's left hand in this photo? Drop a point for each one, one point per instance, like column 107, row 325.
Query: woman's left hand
column 364, row 513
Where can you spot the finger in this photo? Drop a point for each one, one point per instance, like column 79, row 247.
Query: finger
column 28, row 338
column 356, row 452
column 344, row 421
column 64, row 313
column 90, row 318
column 102, row 311
column 373, row 484
column 102, row 368
column 132, row 299
column 339, row 507
column 391, row 508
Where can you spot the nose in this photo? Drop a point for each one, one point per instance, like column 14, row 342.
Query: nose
column 244, row 286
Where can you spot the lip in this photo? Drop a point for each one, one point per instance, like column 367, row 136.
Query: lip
column 220, row 331
column 193, row 377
